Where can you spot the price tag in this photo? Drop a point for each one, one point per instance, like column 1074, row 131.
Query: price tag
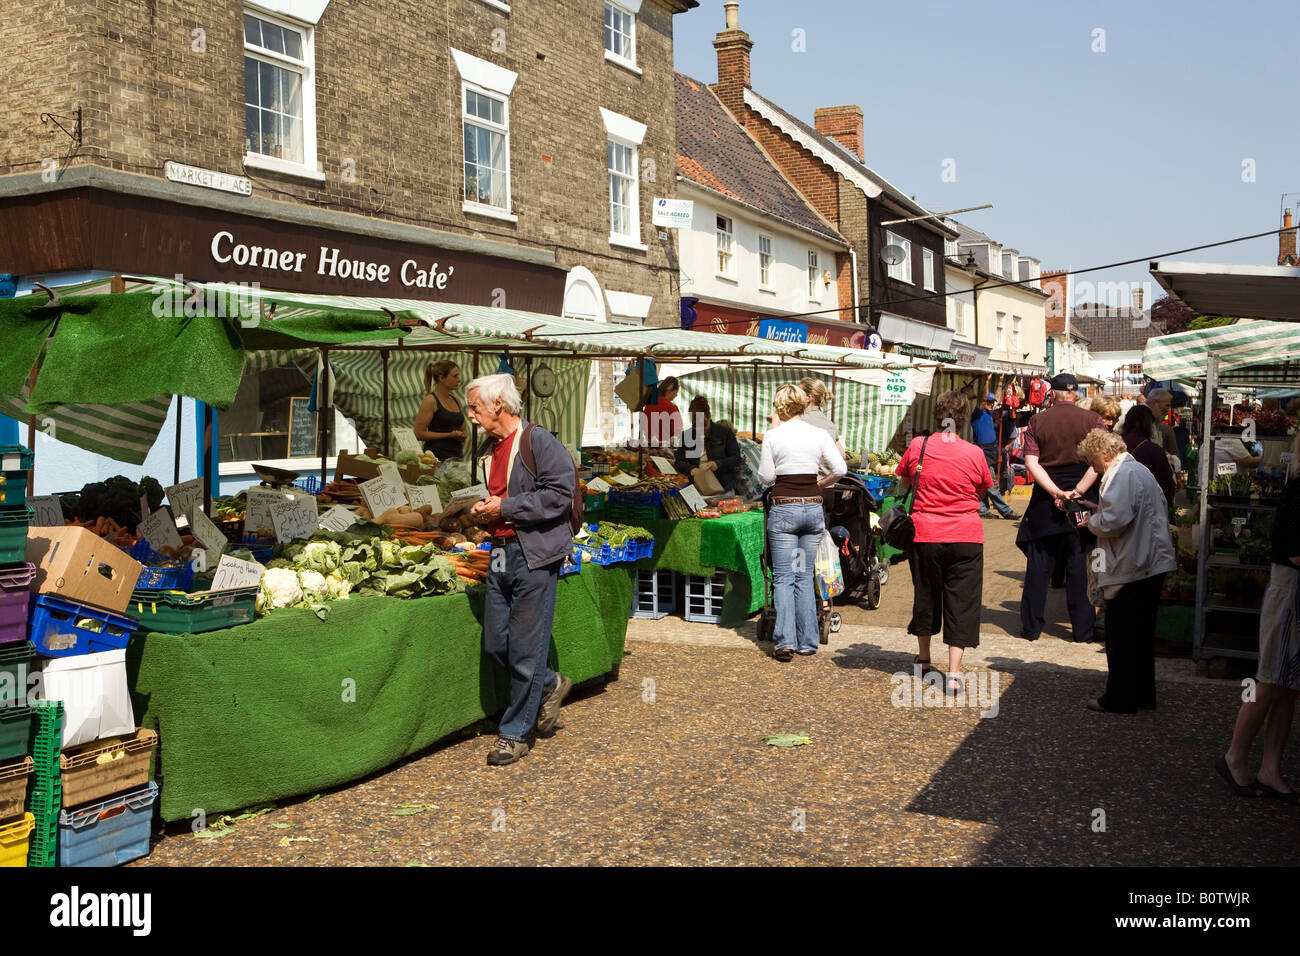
column 574, row 454
column 381, row 494
column 338, row 518
column 159, row 529
column 420, row 495
column 1285, row 459
column 207, row 534
column 182, row 498
column 598, row 485
column 1230, row 398
column 1226, row 468
column 294, row 517
column 257, row 512
column 621, row 478
column 406, row 440
column 692, row 497
column 1240, row 520
column 48, row 511
column 389, row 470
column 233, row 573
column 664, row 465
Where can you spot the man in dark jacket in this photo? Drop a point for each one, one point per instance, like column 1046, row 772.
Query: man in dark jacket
column 711, row 441
column 528, row 517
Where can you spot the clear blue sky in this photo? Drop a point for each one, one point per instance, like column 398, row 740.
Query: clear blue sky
column 1089, row 157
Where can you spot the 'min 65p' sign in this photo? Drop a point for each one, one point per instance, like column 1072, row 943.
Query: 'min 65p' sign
column 898, row 388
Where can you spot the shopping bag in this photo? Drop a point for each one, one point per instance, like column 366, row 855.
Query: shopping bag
column 830, row 580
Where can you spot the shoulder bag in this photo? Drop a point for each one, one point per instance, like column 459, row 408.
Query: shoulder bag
column 897, row 527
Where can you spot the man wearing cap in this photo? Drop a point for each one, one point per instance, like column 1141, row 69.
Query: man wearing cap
column 1048, row 534
column 984, row 432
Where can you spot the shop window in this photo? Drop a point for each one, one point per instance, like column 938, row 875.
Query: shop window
column 620, row 34
column 279, row 95
column 487, row 149
column 270, row 422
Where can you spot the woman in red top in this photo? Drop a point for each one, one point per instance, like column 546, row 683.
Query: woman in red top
column 661, row 422
column 947, row 559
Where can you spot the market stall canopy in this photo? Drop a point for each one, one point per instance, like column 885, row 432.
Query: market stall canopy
column 1257, row 292
column 1250, row 353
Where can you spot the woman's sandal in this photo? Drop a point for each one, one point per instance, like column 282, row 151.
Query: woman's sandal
column 1240, row 789
column 953, row 691
column 926, row 669
column 783, row 654
column 1289, row 796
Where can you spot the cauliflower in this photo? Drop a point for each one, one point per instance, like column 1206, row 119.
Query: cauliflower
column 313, row 585
column 280, row 585
column 322, row 556
column 337, row 587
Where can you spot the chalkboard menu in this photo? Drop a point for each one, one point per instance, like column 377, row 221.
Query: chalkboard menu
column 302, row 429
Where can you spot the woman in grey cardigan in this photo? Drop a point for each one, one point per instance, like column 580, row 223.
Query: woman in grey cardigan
column 1134, row 554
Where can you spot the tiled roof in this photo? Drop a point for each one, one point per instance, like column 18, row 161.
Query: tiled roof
column 1113, row 330
column 713, row 151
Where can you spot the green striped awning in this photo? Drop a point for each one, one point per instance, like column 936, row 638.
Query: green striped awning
column 1250, row 353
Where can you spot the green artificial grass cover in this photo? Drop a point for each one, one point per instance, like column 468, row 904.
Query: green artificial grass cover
column 261, row 713
column 23, row 337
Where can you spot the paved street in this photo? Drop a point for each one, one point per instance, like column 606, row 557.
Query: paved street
column 667, row 766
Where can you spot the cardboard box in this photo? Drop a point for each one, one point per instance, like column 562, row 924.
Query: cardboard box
column 349, row 467
column 93, row 688
column 75, row 565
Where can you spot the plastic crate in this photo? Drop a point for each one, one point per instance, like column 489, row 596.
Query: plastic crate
column 704, row 598
column 107, row 833
column 98, row 770
column 13, row 788
column 261, row 548
column 878, row 485
column 46, row 798
column 232, row 528
column 57, row 633
column 157, row 574
column 636, row 549
column 15, row 465
column 573, row 563
column 644, row 498
column 14, row 838
column 15, row 731
column 13, row 534
column 632, row 514
column 13, row 602
column 595, row 501
column 14, row 661
column 171, row 612
column 603, row 554
column 657, row 594
column 310, row 484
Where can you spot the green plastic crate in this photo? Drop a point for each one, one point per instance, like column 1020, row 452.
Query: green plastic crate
column 15, row 465
column 15, row 731
column 13, row 534
column 46, row 798
column 15, row 663
column 172, row 612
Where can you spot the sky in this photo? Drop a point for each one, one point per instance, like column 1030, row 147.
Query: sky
column 1101, row 132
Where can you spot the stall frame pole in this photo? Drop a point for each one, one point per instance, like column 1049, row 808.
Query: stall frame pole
column 383, row 358
column 325, row 410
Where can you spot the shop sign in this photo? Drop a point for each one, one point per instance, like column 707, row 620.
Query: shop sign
column 673, row 213
column 330, row 262
column 782, row 331
column 208, row 178
column 1051, row 356
column 898, row 388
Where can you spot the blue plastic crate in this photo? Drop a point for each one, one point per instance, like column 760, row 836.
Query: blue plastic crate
column 56, row 633
column 260, row 548
column 157, row 576
column 604, row 554
column 108, row 833
column 878, row 484
column 656, row 595
column 636, row 550
column 651, row 498
column 573, row 563
column 704, row 598
column 310, row 484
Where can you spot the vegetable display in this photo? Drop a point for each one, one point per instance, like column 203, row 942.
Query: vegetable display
column 616, row 535
column 117, row 498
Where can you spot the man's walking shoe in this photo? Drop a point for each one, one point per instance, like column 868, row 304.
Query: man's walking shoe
column 1010, row 516
column 548, row 715
column 507, row 751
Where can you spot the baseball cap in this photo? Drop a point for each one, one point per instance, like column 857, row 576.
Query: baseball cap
column 990, row 397
column 1065, row 382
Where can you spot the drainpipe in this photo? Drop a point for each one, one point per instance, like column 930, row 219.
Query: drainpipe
column 853, row 260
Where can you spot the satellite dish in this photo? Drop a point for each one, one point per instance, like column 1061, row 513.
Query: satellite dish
column 893, row 254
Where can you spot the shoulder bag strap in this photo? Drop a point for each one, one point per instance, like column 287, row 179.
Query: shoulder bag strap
column 916, row 482
column 526, row 449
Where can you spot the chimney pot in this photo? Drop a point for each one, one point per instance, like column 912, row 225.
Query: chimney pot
column 1286, row 251
column 733, row 45
column 733, row 14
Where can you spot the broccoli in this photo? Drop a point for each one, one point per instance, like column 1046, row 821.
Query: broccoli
column 118, row 498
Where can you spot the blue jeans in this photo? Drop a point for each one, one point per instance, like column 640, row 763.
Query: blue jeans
column 793, row 533
column 517, row 618
column 992, row 494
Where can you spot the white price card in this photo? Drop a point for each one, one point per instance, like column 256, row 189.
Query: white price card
column 233, row 573
column 1230, row 398
column 598, row 485
column 389, row 470
column 1239, row 520
column 664, row 465
column 1285, row 459
column 405, row 440
column 159, row 529
column 382, row 495
column 421, row 495
column 465, row 499
column 47, row 511
column 207, row 534
column 692, row 497
column 257, row 512
column 1226, row 468
column 338, row 518
column 621, row 478
column 182, row 498
column 294, row 517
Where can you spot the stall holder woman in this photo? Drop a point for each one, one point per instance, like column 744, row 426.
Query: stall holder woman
column 793, row 455
column 440, row 423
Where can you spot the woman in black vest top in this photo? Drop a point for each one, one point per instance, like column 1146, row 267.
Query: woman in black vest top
column 440, row 423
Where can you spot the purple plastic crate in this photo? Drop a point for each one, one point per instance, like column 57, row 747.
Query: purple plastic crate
column 14, row 597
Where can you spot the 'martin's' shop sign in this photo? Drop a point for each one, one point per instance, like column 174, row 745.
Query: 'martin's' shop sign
column 331, row 262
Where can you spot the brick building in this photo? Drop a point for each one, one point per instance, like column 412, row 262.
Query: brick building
column 484, row 152
column 825, row 162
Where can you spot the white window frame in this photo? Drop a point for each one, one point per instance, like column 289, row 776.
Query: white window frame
column 814, row 276
column 1002, row 331
column 632, row 8
column 902, row 272
column 633, row 236
column 488, row 79
column 627, row 132
column 765, row 260
column 498, row 5
column 726, row 267
column 927, row 270
column 1016, row 343
column 306, row 68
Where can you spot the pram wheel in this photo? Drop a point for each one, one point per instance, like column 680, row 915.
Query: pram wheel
column 835, row 622
column 873, row 590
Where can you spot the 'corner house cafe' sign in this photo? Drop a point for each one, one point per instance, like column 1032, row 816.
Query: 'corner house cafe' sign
column 329, row 261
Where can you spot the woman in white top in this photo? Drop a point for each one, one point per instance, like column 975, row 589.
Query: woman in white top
column 793, row 453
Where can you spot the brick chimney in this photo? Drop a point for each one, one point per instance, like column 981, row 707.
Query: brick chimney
column 1286, row 255
column 842, row 123
column 1138, row 295
column 733, row 45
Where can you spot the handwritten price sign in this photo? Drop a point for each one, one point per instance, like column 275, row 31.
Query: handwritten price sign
column 294, row 518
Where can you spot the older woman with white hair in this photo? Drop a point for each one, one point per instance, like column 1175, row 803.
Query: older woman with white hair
column 1136, row 552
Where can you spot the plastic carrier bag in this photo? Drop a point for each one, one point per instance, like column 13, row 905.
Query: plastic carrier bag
column 830, row 581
